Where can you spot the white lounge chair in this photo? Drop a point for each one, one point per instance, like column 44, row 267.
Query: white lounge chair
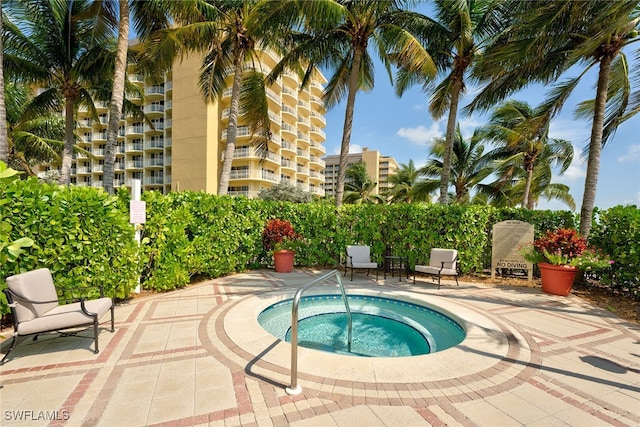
column 442, row 262
column 359, row 257
column 36, row 308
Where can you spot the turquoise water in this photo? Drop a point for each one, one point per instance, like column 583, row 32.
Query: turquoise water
column 382, row 327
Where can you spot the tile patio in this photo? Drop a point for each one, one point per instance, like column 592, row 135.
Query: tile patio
column 197, row 356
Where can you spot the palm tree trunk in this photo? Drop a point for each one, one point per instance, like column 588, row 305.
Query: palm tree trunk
column 69, row 140
column 348, row 125
column 117, row 96
column 225, row 174
column 448, row 148
column 4, row 142
column 595, row 147
column 527, row 186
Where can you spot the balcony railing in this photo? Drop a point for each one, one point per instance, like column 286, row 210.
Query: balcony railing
column 134, row 164
column 154, row 162
column 154, row 90
column 154, row 143
column 154, row 180
column 258, row 174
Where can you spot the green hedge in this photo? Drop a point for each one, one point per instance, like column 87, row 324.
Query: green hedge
column 84, row 237
column 617, row 232
column 81, row 234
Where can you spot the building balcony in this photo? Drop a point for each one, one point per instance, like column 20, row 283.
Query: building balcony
column 154, row 144
column 136, row 78
column 153, row 180
column 135, row 130
column 85, row 123
column 153, row 108
column 288, row 95
column 241, row 131
column 287, row 164
column 99, row 136
column 154, row 162
column 318, row 133
column 318, row 119
column 154, row 90
column 317, row 148
column 252, row 153
column 305, row 105
column 286, row 145
column 317, row 160
column 83, row 170
column 135, row 146
column 134, row 164
column 289, row 115
column 253, row 174
column 156, row 126
column 303, row 138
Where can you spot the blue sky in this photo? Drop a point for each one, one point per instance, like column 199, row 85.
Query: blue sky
column 403, row 128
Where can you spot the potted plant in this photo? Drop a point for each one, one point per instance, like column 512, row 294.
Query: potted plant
column 559, row 255
column 279, row 238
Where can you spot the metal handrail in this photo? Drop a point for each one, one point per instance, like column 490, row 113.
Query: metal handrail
column 294, row 389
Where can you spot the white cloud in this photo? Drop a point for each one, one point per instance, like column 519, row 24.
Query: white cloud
column 421, row 135
column 632, row 154
column 353, row 148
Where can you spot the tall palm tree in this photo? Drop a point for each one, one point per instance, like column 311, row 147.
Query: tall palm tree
column 456, row 39
column 359, row 187
column 228, row 37
column 405, row 184
column 549, row 37
column 508, row 188
column 470, row 165
column 32, row 140
column 117, row 95
column 147, row 16
column 338, row 35
column 522, row 133
column 61, row 47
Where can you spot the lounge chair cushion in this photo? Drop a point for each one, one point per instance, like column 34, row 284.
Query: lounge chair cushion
column 65, row 316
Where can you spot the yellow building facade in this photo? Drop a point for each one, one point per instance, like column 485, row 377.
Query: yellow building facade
column 182, row 147
column 378, row 168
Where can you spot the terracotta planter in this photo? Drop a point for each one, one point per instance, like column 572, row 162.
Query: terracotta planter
column 283, row 261
column 557, row 279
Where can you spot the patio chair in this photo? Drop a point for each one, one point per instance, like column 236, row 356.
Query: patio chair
column 359, row 257
column 442, row 262
column 36, row 309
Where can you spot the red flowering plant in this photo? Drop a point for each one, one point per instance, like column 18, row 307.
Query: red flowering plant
column 279, row 235
column 565, row 246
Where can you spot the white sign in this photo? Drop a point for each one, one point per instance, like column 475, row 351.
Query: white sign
column 508, row 238
column 137, row 211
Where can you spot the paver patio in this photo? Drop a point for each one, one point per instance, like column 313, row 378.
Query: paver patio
column 198, row 357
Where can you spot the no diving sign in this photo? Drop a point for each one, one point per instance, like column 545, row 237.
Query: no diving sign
column 137, row 211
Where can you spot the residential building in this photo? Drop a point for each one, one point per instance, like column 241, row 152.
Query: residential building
column 182, row 146
column 378, row 167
